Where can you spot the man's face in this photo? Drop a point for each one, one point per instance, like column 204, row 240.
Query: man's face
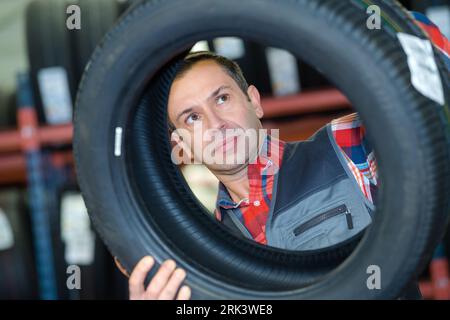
column 206, row 101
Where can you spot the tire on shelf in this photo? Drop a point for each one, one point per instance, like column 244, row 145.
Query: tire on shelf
column 52, row 44
column 18, row 276
column 49, row 46
column 98, row 16
column 140, row 204
column 7, row 109
column 98, row 280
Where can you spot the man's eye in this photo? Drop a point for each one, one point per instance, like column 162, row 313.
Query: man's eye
column 191, row 118
column 222, row 99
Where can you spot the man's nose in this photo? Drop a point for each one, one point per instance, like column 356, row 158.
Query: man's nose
column 215, row 121
column 215, row 124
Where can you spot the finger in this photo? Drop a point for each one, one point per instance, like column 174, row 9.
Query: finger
column 172, row 286
column 137, row 278
column 184, row 293
column 160, row 279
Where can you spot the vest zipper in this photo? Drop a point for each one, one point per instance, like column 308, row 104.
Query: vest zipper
column 342, row 209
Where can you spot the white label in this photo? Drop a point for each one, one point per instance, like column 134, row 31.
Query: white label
column 76, row 231
column 283, row 72
column 229, row 47
column 424, row 72
column 6, row 233
column 55, row 93
column 440, row 16
column 118, row 142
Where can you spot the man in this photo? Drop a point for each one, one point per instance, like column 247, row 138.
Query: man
column 336, row 167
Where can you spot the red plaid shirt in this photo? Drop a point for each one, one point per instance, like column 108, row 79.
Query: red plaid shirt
column 252, row 212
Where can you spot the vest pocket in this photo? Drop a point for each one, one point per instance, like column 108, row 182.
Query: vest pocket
column 325, row 218
column 325, row 227
column 328, row 214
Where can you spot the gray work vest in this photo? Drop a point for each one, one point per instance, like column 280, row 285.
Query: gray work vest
column 316, row 201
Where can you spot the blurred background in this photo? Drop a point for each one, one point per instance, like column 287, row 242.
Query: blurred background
column 43, row 219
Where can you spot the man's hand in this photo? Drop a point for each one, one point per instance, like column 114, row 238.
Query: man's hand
column 163, row 286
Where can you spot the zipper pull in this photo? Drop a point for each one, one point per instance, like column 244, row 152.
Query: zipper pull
column 348, row 217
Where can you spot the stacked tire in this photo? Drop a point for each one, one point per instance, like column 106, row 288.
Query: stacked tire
column 7, row 109
column 58, row 55
column 18, row 275
column 57, row 58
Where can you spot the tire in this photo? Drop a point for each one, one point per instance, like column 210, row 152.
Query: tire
column 98, row 280
column 98, row 16
column 423, row 5
column 140, row 204
column 49, row 46
column 7, row 109
column 18, row 276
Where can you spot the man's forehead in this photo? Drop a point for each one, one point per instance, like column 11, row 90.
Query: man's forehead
column 204, row 76
column 205, row 66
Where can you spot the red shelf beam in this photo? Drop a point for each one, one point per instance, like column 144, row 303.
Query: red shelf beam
column 305, row 102
column 13, row 166
column 10, row 141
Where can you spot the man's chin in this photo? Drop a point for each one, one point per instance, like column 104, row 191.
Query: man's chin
column 230, row 163
column 226, row 168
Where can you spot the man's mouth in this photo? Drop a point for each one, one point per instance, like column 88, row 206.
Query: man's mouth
column 227, row 144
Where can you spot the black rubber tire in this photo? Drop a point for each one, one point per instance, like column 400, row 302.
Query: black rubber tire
column 98, row 279
column 98, row 16
column 7, row 109
column 423, row 5
column 141, row 205
column 18, row 276
column 440, row 223
column 49, row 45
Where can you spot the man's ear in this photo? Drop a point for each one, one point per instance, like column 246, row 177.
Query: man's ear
column 255, row 98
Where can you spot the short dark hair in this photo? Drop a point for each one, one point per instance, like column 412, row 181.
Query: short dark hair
column 229, row 66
